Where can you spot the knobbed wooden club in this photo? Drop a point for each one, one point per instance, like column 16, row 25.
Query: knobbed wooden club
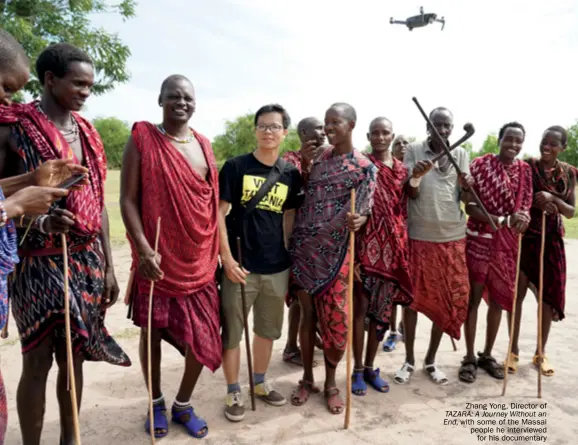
column 446, row 149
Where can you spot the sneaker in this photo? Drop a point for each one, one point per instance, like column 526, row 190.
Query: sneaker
column 234, row 409
column 269, row 395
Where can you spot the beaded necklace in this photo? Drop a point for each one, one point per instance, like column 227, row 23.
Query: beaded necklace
column 174, row 138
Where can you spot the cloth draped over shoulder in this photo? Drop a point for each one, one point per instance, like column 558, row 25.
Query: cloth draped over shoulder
column 186, row 301
column 88, row 202
column 492, row 256
column 319, row 241
column 187, row 205
column 383, row 244
column 561, row 184
column 37, row 285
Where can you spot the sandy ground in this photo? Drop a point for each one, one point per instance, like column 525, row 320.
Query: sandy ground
column 115, row 398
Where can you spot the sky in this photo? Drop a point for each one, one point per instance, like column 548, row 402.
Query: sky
column 495, row 62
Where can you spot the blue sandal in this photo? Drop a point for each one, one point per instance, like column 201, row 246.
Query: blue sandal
column 160, row 421
column 373, row 378
column 358, row 386
column 194, row 425
column 390, row 343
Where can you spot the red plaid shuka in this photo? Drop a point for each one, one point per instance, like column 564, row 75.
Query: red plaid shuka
column 186, row 302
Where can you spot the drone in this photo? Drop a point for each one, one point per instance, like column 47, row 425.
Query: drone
column 418, row 21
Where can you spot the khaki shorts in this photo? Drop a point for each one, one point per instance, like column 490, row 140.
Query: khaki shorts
column 266, row 295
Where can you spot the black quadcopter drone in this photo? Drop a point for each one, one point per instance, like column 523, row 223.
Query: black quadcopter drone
column 418, row 21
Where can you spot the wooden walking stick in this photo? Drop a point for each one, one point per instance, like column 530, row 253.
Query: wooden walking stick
column 513, row 321
column 246, row 326
column 149, row 347
column 69, row 358
column 350, row 315
column 540, row 308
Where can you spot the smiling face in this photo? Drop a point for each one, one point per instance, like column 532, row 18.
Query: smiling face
column 443, row 122
column 71, row 90
column 178, row 101
column 551, row 146
column 270, row 131
column 511, row 143
column 380, row 135
column 337, row 126
column 12, row 79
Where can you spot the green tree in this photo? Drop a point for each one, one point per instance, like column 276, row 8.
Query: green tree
column 239, row 138
column 38, row 23
column 469, row 148
column 114, row 134
column 570, row 155
column 490, row 145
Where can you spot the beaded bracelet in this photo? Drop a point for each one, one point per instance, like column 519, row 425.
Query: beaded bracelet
column 3, row 215
column 40, row 223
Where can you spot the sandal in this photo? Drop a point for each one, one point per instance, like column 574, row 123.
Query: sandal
column 161, row 424
column 194, row 425
column 547, row 369
column 358, row 386
column 402, row 376
column 334, row 401
column 302, row 393
column 294, row 357
column 490, row 365
column 391, row 342
column 373, row 378
column 512, row 363
column 468, row 370
column 437, row 376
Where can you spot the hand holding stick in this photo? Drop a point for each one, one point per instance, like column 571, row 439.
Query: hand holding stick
column 513, row 321
column 247, row 341
column 149, row 340
column 69, row 358
column 443, row 144
column 350, row 314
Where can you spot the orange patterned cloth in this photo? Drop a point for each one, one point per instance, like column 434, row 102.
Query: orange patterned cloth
column 441, row 287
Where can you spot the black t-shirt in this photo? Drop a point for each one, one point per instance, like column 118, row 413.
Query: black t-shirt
column 263, row 246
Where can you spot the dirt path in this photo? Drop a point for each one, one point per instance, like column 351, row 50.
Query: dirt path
column 115, row 399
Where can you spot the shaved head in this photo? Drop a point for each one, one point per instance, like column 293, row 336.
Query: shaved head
column 173, row 79
column 441, row 110
column 379, row 119
column 11, row 52
column 307, row 123
column 346, row 110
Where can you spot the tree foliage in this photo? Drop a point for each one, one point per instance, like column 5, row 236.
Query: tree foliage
column 239, row 138
column 38, row 23
column 570, row 155
column 490, row 145
column 114, row 134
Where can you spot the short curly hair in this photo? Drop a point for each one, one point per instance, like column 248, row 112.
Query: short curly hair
column 57, row 58
column 517, row 125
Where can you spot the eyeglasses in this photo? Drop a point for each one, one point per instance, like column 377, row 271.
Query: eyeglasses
column 275, row 128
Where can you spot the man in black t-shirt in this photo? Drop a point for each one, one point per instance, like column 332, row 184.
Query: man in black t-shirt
column 265, row 268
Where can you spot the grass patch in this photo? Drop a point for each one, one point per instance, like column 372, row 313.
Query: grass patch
column 111, row 199
column 118, row 234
